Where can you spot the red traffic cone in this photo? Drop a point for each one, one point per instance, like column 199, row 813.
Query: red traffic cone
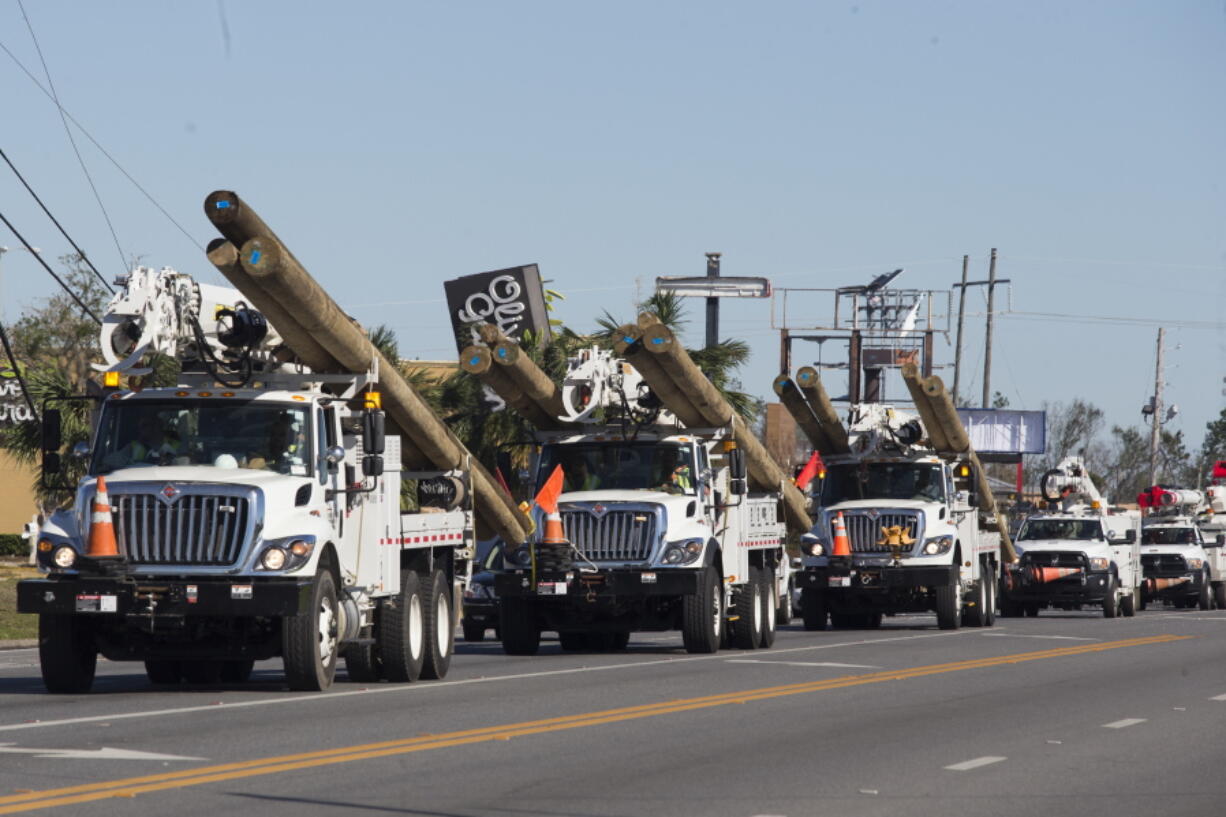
column 102, row 528
column 841, row 545
column 1051, row 574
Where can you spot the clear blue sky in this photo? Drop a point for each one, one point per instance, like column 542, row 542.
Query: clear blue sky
column 393, row 145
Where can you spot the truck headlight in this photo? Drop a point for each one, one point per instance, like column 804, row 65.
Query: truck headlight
column 65, row 556
column 1098, row 563
column 937, row 545
column 812, row 545
column 287, row 554
column 1196, row 564
column 682, row 553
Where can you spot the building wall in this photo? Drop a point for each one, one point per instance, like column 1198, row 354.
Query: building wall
column 16, row 496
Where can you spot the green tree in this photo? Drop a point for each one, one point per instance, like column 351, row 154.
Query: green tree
column 1212, row 449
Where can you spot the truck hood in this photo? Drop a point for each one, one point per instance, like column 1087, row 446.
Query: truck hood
column 1090, row 547
column 901, row 504
column 255, row 478
column 1187, row 551
column 611, row 497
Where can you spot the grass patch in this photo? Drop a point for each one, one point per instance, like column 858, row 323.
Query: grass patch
column 13, row 624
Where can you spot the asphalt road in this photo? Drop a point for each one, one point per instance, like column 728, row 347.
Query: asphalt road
column 1064, row 714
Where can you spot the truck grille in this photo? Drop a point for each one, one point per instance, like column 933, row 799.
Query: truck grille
column 1055, row 558
column 192, row 530
column 1160, row 563
column 864, row 530
column 615, row 536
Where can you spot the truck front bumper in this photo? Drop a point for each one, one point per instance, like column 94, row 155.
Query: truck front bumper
column 602, row 585
column 157, row 599
column 875, row 579
column 1163, row 585
column 1082, row 588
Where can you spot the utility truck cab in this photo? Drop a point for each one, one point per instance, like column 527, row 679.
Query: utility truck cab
column 1076, row 552
column 1174, row 559
column 913, row 534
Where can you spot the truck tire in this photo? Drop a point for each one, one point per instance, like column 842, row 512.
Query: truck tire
column 473, row 631
column 1128, row 604
column 66, row 653
column 1205, row 600
column 783, row 608
column 748, row 626
column 520, row 633
column 990, row 612
column 439, row 626
column 401, row 636
column 1219, row 595
column 1110, row 604
column 161, row 671
column 948, row 606
column 976, row 615
column 621, row 640
column 309, row 640
column 702, row 614
column 813, row 608
column 770, row 607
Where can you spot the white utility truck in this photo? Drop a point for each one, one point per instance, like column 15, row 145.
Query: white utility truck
column 662, row 531
column 1174, row 558
column 914, row 527
column 253, row 514
column 1212, row 521
column 1076, row 552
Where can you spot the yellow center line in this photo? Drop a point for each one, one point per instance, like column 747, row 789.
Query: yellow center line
column 130, row 787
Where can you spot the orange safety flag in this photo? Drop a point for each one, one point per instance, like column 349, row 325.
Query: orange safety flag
column 812, row 468
column 547, row 498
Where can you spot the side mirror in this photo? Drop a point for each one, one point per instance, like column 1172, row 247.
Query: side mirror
column 373, row 432
column 372, row 465
column 738, row 485
column 51, row 462
column 53, row 434
column 1220, row 539
column 1130, row 536
column 80, row 451
column 333, row 456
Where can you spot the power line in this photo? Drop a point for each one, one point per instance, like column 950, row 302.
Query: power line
column 57, row 278
column 67, row 130
column 103, row 150
column 63, row 232
column 1115, row 319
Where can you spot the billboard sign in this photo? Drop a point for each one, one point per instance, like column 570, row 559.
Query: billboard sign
column 512, row 299
column 1005, row 431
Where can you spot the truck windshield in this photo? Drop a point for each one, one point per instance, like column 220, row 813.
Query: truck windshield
column 227, row 434
column 1083, row 529
column 883, row 480
column 621, row 465
column 1168, row 536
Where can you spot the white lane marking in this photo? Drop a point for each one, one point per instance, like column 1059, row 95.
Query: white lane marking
column 1157, row 616
column 967, row 765
column 801, row 663
column 312, row 698
column 105, row 753
column 1218, row 698
column 1122, row 724
column 1054, row 637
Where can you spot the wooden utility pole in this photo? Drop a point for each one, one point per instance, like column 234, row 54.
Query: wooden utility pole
column 987, row 343
column 1155, row 434
column 966, row 260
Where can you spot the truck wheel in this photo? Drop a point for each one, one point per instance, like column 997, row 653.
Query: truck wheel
column 163, row 672
column 783, row 606
column 473, row 631
column 1110, row 606
column 1010, row 609
column 813, row 609
column 1205, row 600
column 976, row 615
column 949, row 604
column 747, row 628
column 770, row 604
column 237, row 672
column 572, row 642
column 1219, row 595
column 520, row 633
column 309, row 640
column 1128, row 604
column 1031, row 610
column 402, row 632
column 67, row 653
column 702, row 614
column 439, row 627
column 621, row 640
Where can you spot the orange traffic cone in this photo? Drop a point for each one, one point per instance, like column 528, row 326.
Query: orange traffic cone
column 102, row 529
column 842, row 545
column 1051, row 574
column 1165, row 584
column 554, row 534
